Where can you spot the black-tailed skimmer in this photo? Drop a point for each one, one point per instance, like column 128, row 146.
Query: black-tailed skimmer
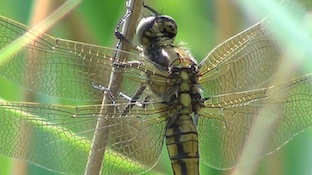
column 219, row 111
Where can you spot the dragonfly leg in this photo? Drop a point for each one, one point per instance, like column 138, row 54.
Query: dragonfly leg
column 119, row 25
column 105, row 90
column 151, row 9
column 121, row 37
column 131, row 101
column 129, row 64
column 108, row 93
column 134, row 100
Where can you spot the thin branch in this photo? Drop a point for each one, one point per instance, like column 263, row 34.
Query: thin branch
column 101, row 134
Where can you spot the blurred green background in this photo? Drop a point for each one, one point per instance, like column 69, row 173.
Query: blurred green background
column 202, row 25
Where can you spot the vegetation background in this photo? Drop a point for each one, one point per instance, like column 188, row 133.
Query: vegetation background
column 202, row 26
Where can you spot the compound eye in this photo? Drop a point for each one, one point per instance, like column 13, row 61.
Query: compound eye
column 156, row 30
column 170, row 26
column 143, row 27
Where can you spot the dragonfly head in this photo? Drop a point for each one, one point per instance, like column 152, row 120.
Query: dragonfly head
column 156, row 30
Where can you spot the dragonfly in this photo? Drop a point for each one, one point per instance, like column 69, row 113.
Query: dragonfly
column 206, row 111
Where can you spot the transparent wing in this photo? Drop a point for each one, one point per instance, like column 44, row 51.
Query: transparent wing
column 71, row 66
column 59, row 138
column 254, row 123
column 240, row 63
column 248, row 59
column 68, row 69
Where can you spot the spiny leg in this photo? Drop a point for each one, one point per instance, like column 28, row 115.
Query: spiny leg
column 131, row 101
